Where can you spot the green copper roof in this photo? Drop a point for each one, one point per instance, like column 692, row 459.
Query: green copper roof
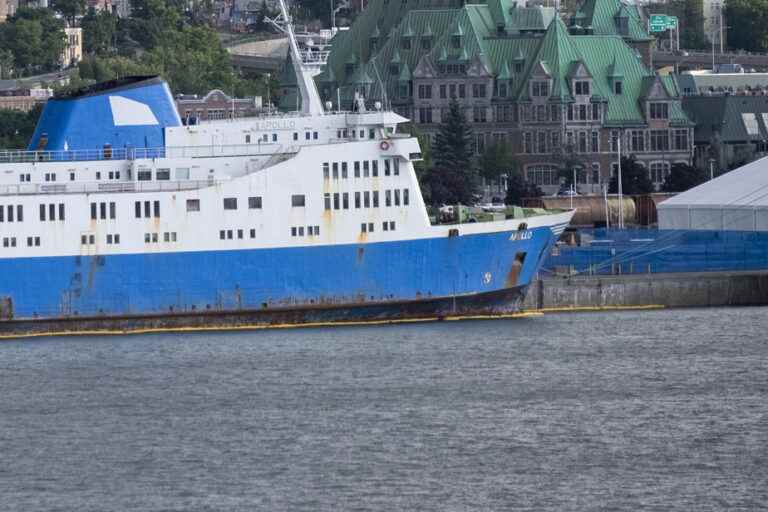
column 616, row 70
column 601, row 15
column 504, row 73
column 405, row 73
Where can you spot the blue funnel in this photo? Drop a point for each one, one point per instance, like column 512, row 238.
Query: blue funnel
column 126, row 113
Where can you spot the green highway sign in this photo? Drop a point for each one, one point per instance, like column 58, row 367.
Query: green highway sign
column 661, row 22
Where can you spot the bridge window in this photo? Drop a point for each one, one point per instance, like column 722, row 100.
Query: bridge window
column 163, row 174
column 298, row 200
column 144, row 175
column 230, row 203
column 254, row 203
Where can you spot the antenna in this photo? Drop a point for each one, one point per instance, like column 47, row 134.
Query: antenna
column 378, row 77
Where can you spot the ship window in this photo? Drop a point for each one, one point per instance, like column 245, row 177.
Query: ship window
column 371, row 133
column 391, row 225
column 51, row 212
column 144, row 175
column 374, row 168
column 306, row 135
column 61, row 211
column 173, row 236
column 375, row 198
column 345, row 200
column 182, row 173
column 9, row 216
column 103, row 210
column 357, row 199
column 154, row 237
column 344, row 173
column 117, row 238
column 111, row 175
column 193, row 205
column 335, row 170
column 83, row 240
column 222, row 235
column 240, row 234
column 386, row 167
column 298, row 200
column 336, row 201
column 314, row 135
column 147, row 238
column 301, row 230
column 230, row 203
column 166, row 237
column 362, row 134
column 20, row 213
column 112, row 212
column 363, row 227
column 327, row 201
column 396, row 164
column 229, row 234
column 146, row 209
column 385, row 226
column 397, row 197
column 109, row 239
column 326, row 170
column 98, row 175
column 366, row 170
column 71, row 176
column 29, row 241
column 366, row 199
column 157, row 208
column 293, row 231
column 137, row 206
column 370, row 227
column 357, row 169
column 42, row 213
column 295, row 135
column 274, row 137
column 254, row 203
column 387, row 198
column 93, row 211
column 405, row 197
column 247, row 139
column 253, row 233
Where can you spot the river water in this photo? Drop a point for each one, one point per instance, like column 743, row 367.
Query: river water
column 654, row 410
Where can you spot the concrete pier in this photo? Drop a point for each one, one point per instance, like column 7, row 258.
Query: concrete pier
column 748, row 288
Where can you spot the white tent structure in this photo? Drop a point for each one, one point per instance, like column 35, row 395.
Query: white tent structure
column 735, row 201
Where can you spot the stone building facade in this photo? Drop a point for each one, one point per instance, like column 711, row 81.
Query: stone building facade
column 214, row 106
column 564, row 98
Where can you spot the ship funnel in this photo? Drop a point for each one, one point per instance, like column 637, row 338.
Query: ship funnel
column 130, row 112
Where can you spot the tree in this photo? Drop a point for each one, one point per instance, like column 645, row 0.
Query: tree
column 497, row 159
column 518, row 188
column 6, row 64
column 99, row 32
column 70, row 9
column 16, row 127
column 690, row 16
column 682, row 177
column 634, row 178
column 453, row 179
column 749, row 19
column 35, row 38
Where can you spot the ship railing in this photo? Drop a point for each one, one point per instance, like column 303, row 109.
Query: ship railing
column 126, row 186
column 80, row 155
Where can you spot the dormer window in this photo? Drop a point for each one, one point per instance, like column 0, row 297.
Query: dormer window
column 622, row 25
column 456, row 42
column 394, row 69
column 581, row 88
column 405, row 43
column 659, row 111
column 539, row 88
column 618, row 87
column 349, row 69
column 372, row 43
column 518, row 67
column 501, row 89
column 426, row 43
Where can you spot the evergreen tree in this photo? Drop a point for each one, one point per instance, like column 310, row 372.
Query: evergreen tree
column 748, row 20
column 453, row 178
column 634, row 178
column 682, row 177
column 70, row 9
column 518, row 188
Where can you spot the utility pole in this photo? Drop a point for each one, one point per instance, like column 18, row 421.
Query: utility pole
column 621, row 193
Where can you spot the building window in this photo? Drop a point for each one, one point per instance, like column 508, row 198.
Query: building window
column 581, row 88
column 659, row 110
column 539, row 88
column 254, row 203
column 425, row 92
column 595, row 142
column 637, row 141
column 541, row 142
column 528, row 143
column 618, row 87
column 542, row 175
column 582, row 142
column 442, row 92
column 478, row 90
column 659, row 140
column 681, row 140
column 658, row 172
column 462, row 91
column 614, row 141
column 479, row 114
column 425, row 115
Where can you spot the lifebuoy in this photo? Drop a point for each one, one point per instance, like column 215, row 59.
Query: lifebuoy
column 384, row 145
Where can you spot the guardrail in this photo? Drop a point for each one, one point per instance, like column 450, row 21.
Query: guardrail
column 95, row 187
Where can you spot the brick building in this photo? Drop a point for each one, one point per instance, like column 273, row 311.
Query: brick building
column 216, row 105
column 563, row 97
column 23, row 100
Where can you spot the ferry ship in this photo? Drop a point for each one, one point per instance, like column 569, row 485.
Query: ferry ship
column 121, row 217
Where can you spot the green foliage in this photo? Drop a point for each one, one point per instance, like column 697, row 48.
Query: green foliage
column 99, row 32
column 748, row 21
column 518, row 188
column 690, row 15
column 35, row 38
column 16, row 127
column 634, row 178
column 497, row 159
column 70, row 9
column 682, row 177
column 453, row 178
column 6, row 64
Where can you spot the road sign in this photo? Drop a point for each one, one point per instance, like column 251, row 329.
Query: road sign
column 661, row 22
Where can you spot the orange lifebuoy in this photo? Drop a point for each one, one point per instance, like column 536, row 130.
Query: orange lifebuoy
column 384, row 145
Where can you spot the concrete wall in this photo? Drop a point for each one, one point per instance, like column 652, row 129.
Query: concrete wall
column 670, row 290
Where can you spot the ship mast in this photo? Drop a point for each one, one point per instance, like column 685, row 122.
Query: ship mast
column 310, row 99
